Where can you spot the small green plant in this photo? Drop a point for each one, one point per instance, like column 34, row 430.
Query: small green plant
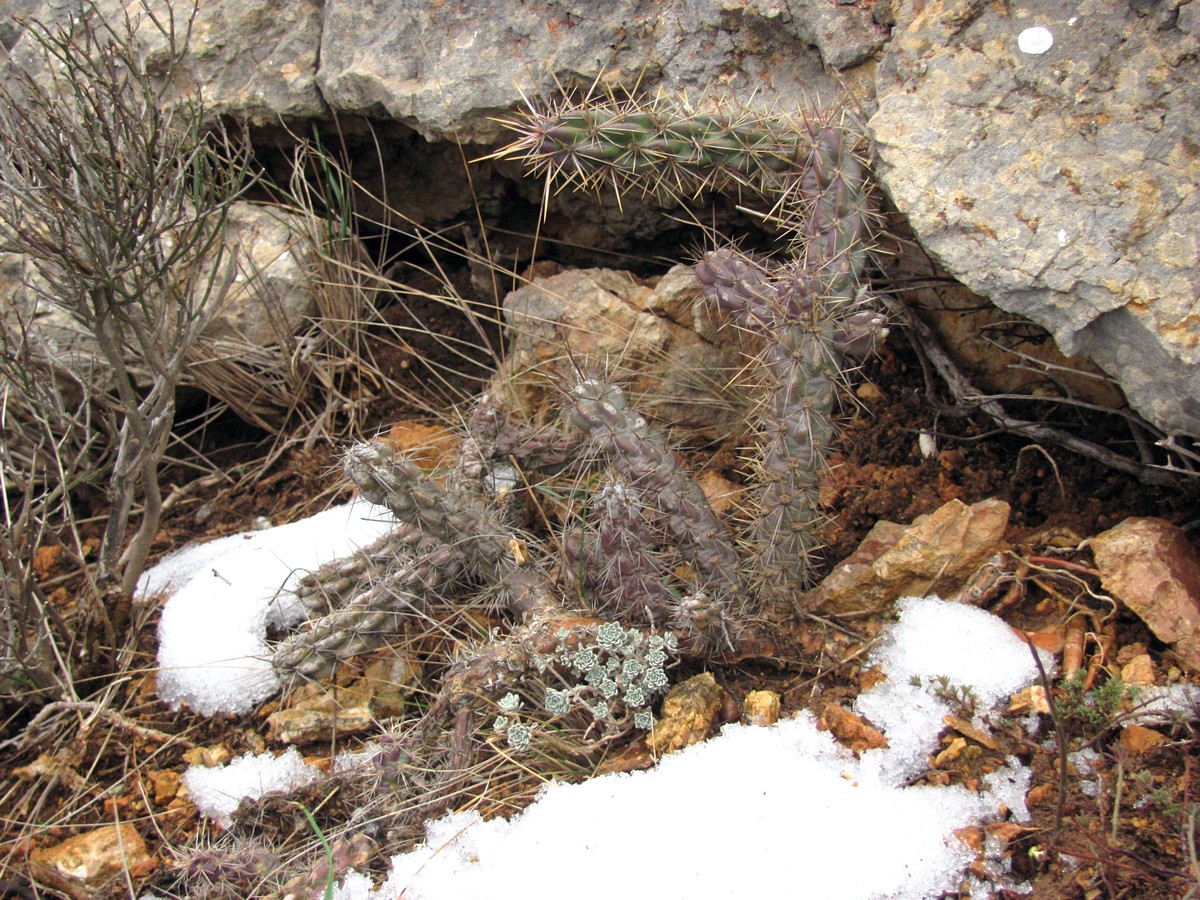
column 1093, row 710
column 330, row 879
column 616, row 676
column 611, row 673
column 961, row 696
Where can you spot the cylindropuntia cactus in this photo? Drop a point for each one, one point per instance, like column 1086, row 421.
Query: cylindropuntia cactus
column 668, row 147
column 809, row 312
column 615, row 551
column 447, row 538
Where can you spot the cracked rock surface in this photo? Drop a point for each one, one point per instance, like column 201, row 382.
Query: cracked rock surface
column 1061, row 185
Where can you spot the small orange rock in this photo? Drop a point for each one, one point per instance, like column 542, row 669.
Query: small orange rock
column 1050, row 640
column 870, row 678
column 1005, row 831
column 1150, row 565
column 951, row 753
column 689, row 714
column 868, row 391
column 979, row 870
column 723, row 495
column 81, row 865
column 1040, row 795
column 1139, row 671
column 850, row 730
column 969, row 731
column 762, row 708
column 208, row 757
column 45, row 559
column 166, row 785
column 1139, row 739
column 972, row 836
column 427, row 445
column 1032, row 699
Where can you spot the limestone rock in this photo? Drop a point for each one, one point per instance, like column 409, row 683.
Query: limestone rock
column 1150, row 566
column 10, row 29
column 254, row 60
column 81, row 866
column 937, row 553
column 1063, row 185
column 690, row 714
column 648, row 336
column 318, row 712
column 273, row 296
column 440, row 69
column 761, row 708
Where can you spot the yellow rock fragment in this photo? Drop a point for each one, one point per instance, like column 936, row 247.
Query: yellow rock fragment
column 82, row 865
column 761, row 708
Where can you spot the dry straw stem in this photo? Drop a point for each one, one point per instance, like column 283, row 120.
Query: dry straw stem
column 117, row 197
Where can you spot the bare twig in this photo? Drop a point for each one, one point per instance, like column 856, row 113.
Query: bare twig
column 966, row 395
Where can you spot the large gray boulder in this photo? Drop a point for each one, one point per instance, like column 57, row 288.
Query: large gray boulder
column 254, row 60
column 448, row 68
column 1062, row 185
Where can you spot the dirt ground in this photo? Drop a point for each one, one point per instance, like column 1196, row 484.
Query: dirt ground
column 1137, row 844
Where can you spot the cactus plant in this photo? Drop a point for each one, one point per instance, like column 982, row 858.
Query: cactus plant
column 809, row 314
column 614, row 553
column 656, row 146
column 808, row 311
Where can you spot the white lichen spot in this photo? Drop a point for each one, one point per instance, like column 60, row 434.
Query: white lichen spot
column 1063, row 237
column 1035, row 41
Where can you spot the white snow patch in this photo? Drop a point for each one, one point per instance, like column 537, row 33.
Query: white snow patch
column 217, row 790
column 212, row 652
column 754, row 808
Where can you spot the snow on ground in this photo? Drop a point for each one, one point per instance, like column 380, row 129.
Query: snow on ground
column 212, row 651
column 779, row 811
column 217, row 790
